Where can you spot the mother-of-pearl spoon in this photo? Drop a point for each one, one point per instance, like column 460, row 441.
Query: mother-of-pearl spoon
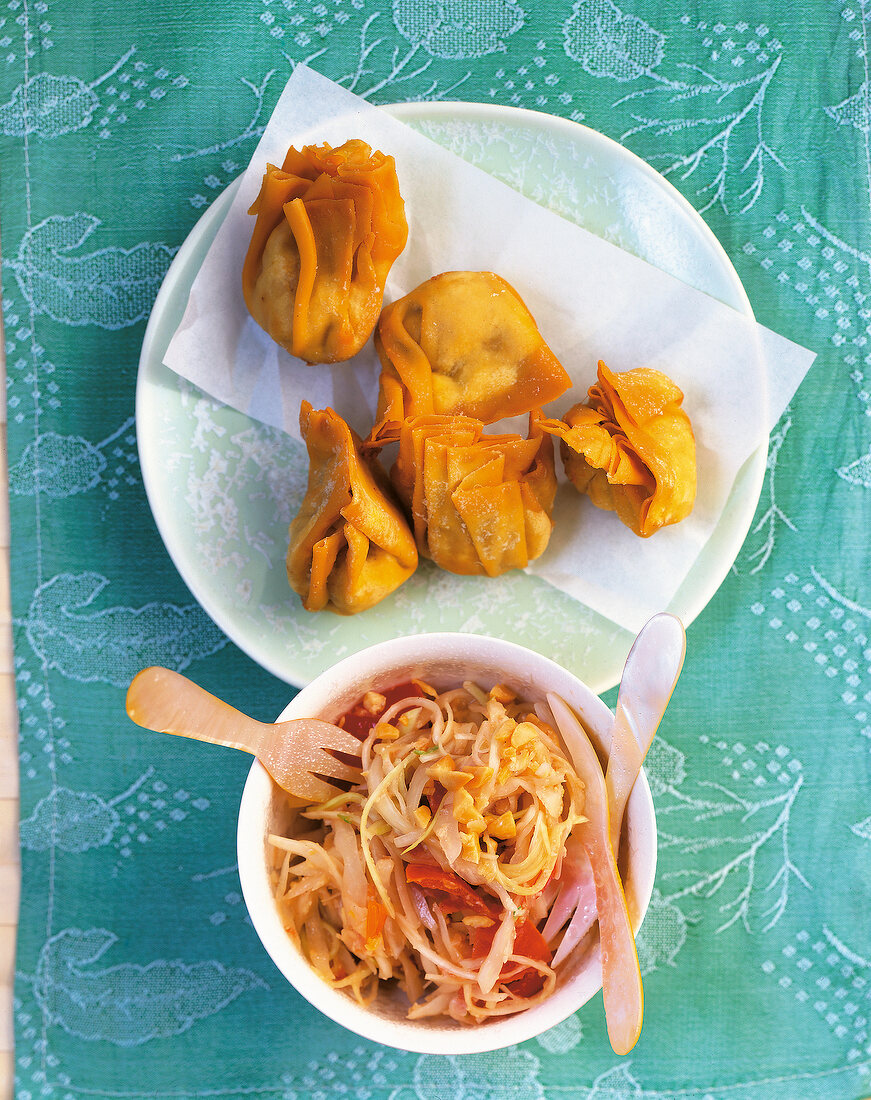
column 592, row 885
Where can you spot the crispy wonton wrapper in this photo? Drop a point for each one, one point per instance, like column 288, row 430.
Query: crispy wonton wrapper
column 631, row 448
column 330, row 223
column 480, row 504
column 350, row 545
column 461, row 343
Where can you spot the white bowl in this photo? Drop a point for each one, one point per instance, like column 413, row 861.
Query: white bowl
column 442, row 660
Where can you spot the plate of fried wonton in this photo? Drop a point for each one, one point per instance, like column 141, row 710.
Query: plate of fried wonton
column 224, row 488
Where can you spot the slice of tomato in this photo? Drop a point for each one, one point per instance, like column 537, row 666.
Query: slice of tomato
column 450, row 889
column 528, row 941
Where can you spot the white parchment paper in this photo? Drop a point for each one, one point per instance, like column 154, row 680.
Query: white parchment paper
column 591, row 300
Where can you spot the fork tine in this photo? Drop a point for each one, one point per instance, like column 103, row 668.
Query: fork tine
column 324, row 764
column 324, row 734
column 312, row 789
column 299, row 756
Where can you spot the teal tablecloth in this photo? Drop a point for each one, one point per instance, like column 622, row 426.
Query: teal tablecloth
column 138, row 974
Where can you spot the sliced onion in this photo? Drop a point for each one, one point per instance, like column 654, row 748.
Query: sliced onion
column 500, row 949
column 447, row 829
column 584, row 917
column 421, row 907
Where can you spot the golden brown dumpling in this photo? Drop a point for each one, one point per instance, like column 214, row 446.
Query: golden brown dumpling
column 330, row 223
column 350, row 545
column 480, row 504
column 462, row 343
column 631, row 448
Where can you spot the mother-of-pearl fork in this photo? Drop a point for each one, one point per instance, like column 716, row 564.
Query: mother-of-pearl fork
column 304, row 756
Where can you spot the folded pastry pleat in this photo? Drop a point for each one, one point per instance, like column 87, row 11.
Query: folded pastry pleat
column 330, row 223
column 631, row 448
column 480, row 504
column 462, row 343
column 350, row 545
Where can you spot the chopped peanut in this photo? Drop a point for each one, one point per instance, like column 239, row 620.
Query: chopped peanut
column 520, row 762
column 423, row 816
column 502, row 827
column 480, row 776
column 384, row 731
column 534, row 720
column 465, row 809
column 444, row 772
column 478, row 920
column 374, row 702
column 469, row 848
column 502, row 694
column 523, row 734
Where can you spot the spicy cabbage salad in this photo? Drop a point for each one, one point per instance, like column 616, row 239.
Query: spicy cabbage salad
column 438, row 870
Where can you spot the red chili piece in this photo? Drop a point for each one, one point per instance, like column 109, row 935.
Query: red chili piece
column 452, row 889
column 528, row 941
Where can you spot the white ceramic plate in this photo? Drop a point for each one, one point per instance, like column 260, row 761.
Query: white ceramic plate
column 223, row 488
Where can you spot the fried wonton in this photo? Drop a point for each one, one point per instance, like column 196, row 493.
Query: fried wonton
column 631, row 448
column 480, row 504
column 330, row 223
column 350, row 545
column 462, row 343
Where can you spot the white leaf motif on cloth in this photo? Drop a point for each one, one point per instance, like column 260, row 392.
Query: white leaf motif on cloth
column 862, row 829
column 76, row 821
column 605, row 42
column 60, row 466
column 113, row 644
column 253, row 129
column 456, row 29
column 128, row 1004
column 769, row 522
column 368, row 60
column 816, row 967
column 563, row 1037
column 615, row 1084
column 57, row 466
column 747, row 868
column 855, row 110
column 49, row 106
column 111, row 287
column 858, row 472
column 662, row 935
column 728, row 160
column 73, row 821
column 509, row 1074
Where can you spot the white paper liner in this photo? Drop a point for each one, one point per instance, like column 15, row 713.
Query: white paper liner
column 591, row 300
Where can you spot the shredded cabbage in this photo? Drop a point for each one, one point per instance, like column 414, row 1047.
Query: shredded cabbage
column 432, row 872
